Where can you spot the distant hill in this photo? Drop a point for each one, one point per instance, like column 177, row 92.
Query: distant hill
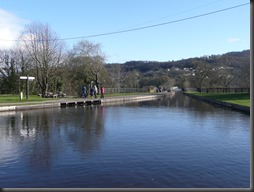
column 236, row 60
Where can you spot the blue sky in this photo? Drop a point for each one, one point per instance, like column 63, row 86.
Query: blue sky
column 212, row 34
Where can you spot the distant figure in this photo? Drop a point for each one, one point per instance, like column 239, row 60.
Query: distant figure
column 95, row 91
column 84, row 92
column 102, row 91
column 91, row 92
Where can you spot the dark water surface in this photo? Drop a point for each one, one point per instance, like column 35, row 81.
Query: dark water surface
column 165, row 143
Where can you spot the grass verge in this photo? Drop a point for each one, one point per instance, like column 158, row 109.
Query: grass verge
column 35, row 98
column 16, row 99
column 235, row 98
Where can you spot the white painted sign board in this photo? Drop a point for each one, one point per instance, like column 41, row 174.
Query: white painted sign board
column 25, row 77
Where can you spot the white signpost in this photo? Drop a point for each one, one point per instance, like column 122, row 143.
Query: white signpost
column 27, row 78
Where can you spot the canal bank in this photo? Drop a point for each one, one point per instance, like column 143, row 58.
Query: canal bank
column 67, row 102
column 244, row 109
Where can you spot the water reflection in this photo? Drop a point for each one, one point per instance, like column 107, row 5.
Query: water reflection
column 180, row 101
column 41, row 134
column 224, row 119
column 174, row 141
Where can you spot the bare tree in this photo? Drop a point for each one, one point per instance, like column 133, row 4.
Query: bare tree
column 131, row 79
column 23, row 59
column 226, row 73
column 169, row 82
column 202, row 72
column 8, row 72
column 117, row 75
column 88, row 58
column 242, row 76
column 45, row 50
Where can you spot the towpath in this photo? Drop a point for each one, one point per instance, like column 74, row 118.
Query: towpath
column 78, row 101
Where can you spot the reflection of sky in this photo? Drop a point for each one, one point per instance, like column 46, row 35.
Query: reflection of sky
column 14, row 138
column 27, row 132
column 8, row 149
column 9, row 152
column 76, row 144
column 6, row 113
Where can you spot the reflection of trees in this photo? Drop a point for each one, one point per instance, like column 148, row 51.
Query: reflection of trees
column 40, row 156
column 43, row 135
column 26, row 130
column 55, row 132
column 181, row 101
column 88, row 129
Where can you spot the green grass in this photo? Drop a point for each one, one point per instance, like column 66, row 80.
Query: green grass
column 16, row 99
column 35, row 98
column 235, row 98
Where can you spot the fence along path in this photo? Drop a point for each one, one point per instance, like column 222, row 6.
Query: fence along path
column 125, row 90
column 220, row 90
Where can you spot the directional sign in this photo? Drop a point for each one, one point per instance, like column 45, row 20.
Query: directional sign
column 27, row 78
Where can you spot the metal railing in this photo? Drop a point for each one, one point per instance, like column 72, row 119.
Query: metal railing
column 221, row 90
column 125, row 90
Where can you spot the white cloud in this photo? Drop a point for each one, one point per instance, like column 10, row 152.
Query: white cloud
column 10, row 28
column 232, row 40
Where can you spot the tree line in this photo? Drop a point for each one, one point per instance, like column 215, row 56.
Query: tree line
column 215, row 71
column 39, row 52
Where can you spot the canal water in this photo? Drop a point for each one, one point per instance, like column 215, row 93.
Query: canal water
column 171, row 142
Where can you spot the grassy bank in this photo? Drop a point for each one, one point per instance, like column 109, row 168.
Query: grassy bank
column 235, row 98
column 35, row 98
column 16, row 99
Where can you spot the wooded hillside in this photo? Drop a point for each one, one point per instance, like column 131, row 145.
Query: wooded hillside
column 226, row 70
